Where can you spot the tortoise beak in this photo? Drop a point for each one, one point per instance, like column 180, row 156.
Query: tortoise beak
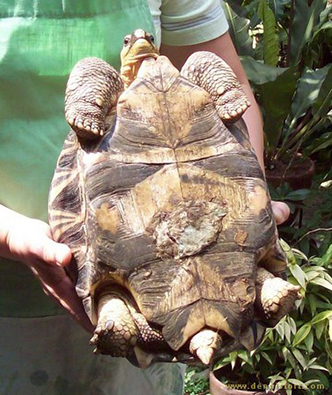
column 140, row 45
column 146, row 49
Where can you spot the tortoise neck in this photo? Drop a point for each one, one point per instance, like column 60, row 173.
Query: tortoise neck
column 130, row 68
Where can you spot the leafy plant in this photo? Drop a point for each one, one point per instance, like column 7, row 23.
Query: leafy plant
column 196, row 381
column 310, row 227
column 289, row 66
column 294, row 90
column 297, row 354
column 284, row 193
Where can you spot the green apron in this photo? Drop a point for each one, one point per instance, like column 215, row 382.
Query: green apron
column 46, row 352
column 40, row 42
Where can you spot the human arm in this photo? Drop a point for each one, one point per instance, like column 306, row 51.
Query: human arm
column 30, row 242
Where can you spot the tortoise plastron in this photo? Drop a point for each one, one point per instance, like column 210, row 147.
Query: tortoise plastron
column 160, row 196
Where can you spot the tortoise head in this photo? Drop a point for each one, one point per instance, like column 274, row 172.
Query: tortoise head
column 136, row 47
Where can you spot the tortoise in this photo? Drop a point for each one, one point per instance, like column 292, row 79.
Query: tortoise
column 161, row 199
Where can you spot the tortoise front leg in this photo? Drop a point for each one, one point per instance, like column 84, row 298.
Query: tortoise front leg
column 92, row 92
column 211, row 73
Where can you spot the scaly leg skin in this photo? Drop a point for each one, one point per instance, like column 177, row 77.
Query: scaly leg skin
column 121, row 331
column 275, row 297
column 92, row 92
column 211, row 73
column 204, row 344
column 116, row 332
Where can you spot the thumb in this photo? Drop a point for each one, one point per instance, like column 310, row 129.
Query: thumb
column 55, row 253
column 281, row 212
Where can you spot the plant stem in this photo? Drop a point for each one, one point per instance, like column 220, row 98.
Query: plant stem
column 291, row 19
column 305, row 132
column 311, row 232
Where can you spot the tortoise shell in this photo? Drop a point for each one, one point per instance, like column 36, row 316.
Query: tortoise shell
column 171, row 206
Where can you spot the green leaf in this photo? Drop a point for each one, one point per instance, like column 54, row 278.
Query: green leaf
column 298, row 355
column 287, row 330
column 323, row 103
column 298, row 383
column 325, row 15
column 278, row 7
column 312, row 300
column 271, row 48
column 275, row 378
column 281, row 384
column 299, row 275
column 259, row 73
column 330, row 329
column 322, row 37
column 321, row 282
column 267, row 357
column 237, row 6
column 327, row 257
column 307, row 91
column 299, row 254
column 298, row 195
column 305, row 19
column 318, row 367
column 220, row 364
column 313, row 274
column 280, row 329
column 292, row 324
column 301, row 334
column 321, row 143
column 321, row 317
column 233, row 356
column 245, row 357
column 314, row 268
column 319, row 328
column 276, row 99
column 311, row 382
column 309, row 341
column 239, row 31
column 288, row 251
column 289, row 357
column 327, row 277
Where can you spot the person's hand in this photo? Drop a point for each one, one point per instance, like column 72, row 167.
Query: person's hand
column 29, row 241
column 281, row 212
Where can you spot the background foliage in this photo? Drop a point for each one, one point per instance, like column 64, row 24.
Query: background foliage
column 285, row 47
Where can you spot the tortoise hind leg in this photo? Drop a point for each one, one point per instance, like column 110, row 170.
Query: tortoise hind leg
column 211, row 73
column 116, row 332
column 275, row 297
column 92, row 92
column 122, row 330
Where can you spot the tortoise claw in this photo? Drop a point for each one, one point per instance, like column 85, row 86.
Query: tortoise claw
column 86, row 126
column 116, row 332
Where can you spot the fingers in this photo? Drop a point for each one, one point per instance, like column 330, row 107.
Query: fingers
column 59, row 286
column 54, row 253
column 42, row 247
column 30, row 241
column 281, row 212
